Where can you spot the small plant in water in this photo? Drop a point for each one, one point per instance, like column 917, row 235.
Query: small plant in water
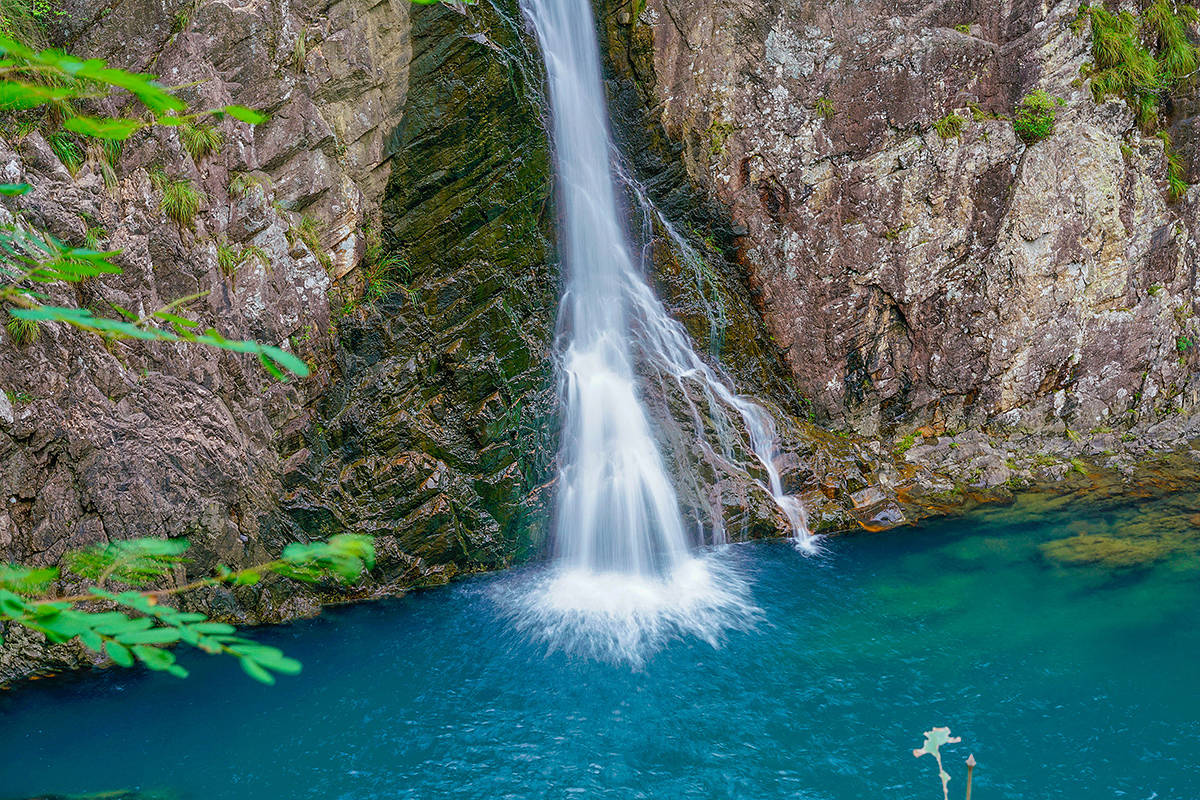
column 934, row 740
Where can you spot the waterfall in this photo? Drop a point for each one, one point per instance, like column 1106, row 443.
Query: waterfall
column 625, row 573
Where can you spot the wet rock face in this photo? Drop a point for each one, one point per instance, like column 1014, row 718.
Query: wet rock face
column 99, row 444
column 690, row 252
column 919, row 280
column 429, row 417
column 440, row 434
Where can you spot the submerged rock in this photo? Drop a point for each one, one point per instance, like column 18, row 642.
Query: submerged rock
column 1109, row 551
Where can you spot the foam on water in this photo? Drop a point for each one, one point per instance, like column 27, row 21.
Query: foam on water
column 621, row 616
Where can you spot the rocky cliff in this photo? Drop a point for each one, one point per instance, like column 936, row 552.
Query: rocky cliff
column 104, row 443
column 439, row 434
column 832, row 198
column 925, row 270
column 397, row 241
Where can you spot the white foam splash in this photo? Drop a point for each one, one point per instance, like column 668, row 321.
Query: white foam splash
column 626, row 580
column 624, row 617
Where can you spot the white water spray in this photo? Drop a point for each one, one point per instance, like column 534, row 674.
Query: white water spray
column 626, row 577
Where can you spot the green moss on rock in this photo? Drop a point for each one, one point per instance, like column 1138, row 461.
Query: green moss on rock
column 440, row 437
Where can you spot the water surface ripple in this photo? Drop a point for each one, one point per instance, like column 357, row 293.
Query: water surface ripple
column 1066, row 681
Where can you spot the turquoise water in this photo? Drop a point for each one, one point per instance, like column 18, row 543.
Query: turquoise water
column 1066, row 679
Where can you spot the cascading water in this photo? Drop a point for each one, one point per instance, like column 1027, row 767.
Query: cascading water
column 626, row 576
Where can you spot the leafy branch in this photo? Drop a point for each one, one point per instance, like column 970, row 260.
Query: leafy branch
column 30, row 79
column 30, row 258
column 135, row 626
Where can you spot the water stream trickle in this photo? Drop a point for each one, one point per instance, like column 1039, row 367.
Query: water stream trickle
column 626, row 575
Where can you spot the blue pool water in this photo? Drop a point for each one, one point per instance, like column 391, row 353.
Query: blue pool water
column 1065, row 679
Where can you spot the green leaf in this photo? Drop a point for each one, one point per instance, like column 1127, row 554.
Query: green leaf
column 17, row 96
column 11, row 47
column 255, row 671
column 271, row 658
column 115, row 129
column 176, row 320
column 27, row 581
column 287, row 360
column 245, row 114
column 151, row 636
column 153, row 657
column 11, row 189
column 114, row 623
column 271, row 369
column 62, row 627
column 119, row 653
column 46, row 610
column 91, row 639
column 11, row 605
column 135, row 562
column 247, row 578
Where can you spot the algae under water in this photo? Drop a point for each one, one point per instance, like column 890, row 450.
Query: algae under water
column 1068, row 672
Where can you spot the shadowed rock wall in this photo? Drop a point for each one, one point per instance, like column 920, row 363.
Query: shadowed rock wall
column 440, row 433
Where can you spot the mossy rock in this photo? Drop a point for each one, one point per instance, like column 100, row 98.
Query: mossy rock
column 1110, row 551
column 440, row 436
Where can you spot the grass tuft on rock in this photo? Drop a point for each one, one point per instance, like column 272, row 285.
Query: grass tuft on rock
column 1177, row 184
column 231, row 258
column 1140, row 59
column 949, row 126
column 180, row 199
column 1144, row 60
column 22, row 331
column 200, row 140
column 67, row 149
column 308, row 232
